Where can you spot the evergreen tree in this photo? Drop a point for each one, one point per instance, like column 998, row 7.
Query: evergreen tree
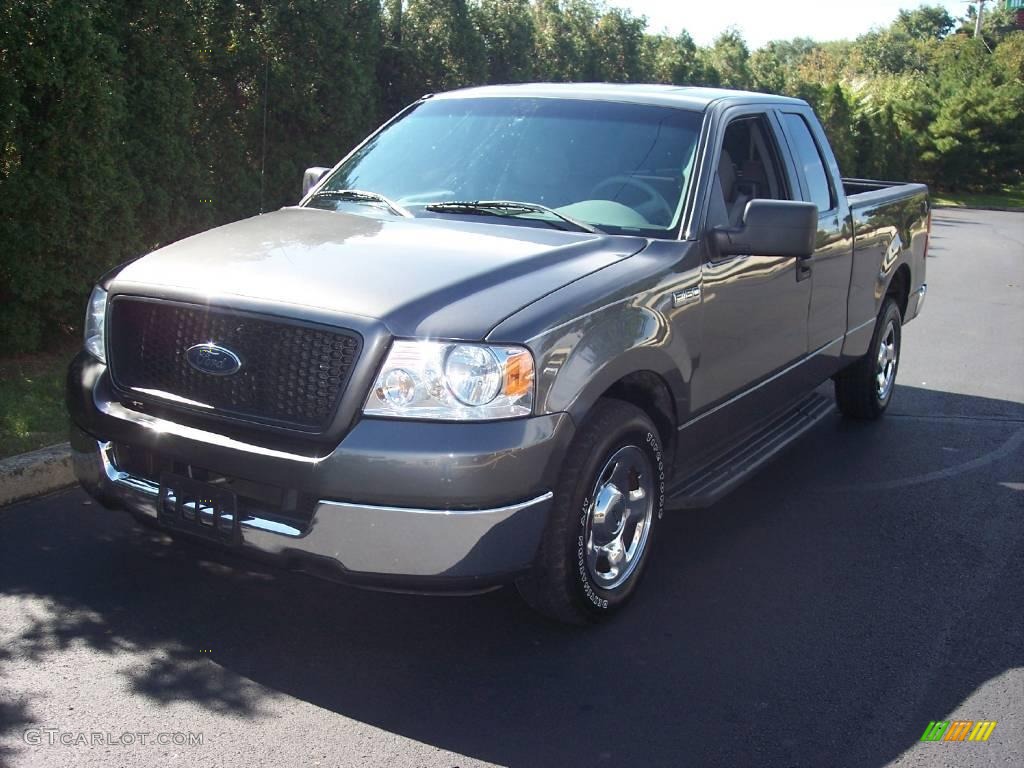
column 68, row 196
column 729, row 57
column 124, row 126
column 672, row 60
column 837, row 120
column 444, row 48
column 509, row 36
column 618, row 47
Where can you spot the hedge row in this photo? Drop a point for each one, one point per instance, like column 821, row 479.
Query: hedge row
column 127, row 125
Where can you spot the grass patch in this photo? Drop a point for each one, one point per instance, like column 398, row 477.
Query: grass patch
column 1011, row 196
column 32, row 412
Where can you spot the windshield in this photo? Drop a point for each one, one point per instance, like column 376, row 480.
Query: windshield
column 623, row 168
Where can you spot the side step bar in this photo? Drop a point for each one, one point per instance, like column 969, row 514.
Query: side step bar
column 720, row 476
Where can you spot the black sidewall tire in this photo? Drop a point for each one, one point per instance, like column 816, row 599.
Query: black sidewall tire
column 856, row 388
column 890, row 311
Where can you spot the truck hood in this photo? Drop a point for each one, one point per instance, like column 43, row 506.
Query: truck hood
column 426, row 277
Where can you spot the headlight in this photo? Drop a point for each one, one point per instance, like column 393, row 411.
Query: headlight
column 453, row 382
column 95, row 321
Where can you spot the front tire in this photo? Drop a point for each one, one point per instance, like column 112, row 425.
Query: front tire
column 608, row 501
column 865, row 389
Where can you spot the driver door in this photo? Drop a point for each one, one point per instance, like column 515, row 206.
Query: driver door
column 755, row 308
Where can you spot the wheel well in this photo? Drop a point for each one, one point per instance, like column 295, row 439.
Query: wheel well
column 649, row 392
column 899, row 288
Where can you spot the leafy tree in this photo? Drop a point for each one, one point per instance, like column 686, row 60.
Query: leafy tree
column 445, row 49
column 1009, row 57
column 996, row 24
column 509, row 36
column 893, row 51
column 768, row 70
column 618, row 45
column 837, row 119
column 672, row 60
column 729, row 59
column 834, row 62
column 564, row 43
column 929, row 22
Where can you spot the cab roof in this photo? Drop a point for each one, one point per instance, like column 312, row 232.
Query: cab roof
column 682, row 97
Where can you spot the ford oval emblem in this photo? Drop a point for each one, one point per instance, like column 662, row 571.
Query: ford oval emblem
column 213, row 359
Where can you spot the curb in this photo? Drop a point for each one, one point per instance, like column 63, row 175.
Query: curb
column 1001, row 209
column 35, row 473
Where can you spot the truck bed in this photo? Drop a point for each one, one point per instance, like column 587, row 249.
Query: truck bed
column 869, row 192
column 890, row 225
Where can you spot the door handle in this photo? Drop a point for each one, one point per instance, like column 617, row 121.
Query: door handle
column 804, row 267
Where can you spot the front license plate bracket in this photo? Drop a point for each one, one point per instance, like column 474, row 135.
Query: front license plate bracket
column 200, row 509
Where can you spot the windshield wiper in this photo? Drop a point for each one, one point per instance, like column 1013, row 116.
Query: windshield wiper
column 507, row 208
column 359, row 195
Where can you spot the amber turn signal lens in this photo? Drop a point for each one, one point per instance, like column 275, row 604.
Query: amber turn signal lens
column 518, row 374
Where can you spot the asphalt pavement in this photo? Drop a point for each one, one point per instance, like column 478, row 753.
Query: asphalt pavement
column 866, row 582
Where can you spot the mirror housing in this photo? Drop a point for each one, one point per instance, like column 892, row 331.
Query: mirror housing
column 311, row 177
column 771, row 228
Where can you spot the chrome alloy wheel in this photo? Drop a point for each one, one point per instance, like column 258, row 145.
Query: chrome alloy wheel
column 885, row 371
column 618, row 518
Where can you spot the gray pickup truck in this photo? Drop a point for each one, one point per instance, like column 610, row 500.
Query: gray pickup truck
column 495, row 342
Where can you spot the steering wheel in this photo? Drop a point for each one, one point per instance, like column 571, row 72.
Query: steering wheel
column 651, row 195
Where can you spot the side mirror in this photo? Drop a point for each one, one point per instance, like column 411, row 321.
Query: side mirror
column 771, row 228
column 311, row 177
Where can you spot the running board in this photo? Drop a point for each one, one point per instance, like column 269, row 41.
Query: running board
column 720, row 476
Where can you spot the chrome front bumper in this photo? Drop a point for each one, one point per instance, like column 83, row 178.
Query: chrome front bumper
column 391, row 547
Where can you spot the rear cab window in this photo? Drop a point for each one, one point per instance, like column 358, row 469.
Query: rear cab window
column 809, row 158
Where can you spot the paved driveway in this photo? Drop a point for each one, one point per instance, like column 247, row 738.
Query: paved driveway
column 866, row 582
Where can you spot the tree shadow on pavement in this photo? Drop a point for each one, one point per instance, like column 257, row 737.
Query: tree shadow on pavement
column 820, row 615
column 14, row 719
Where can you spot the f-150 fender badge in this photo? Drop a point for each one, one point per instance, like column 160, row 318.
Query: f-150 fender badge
column 213, row 359
column 686, row 296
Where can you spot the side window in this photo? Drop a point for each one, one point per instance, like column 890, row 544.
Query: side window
column 809, row 158
column 748, row 169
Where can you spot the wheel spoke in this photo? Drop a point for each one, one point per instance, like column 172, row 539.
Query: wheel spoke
column 885, row 369
column 595, row 561
column 608, row 498
column 632, row 537
column 616, row 554
column 621, row 476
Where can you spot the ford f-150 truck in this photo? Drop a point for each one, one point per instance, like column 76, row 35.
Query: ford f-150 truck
column 500, row 338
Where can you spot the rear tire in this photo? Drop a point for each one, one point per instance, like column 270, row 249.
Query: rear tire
column 865, row 389
column 608, row 501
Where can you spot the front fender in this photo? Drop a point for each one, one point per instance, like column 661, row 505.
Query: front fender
column 585, row 358
column 618, row 321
